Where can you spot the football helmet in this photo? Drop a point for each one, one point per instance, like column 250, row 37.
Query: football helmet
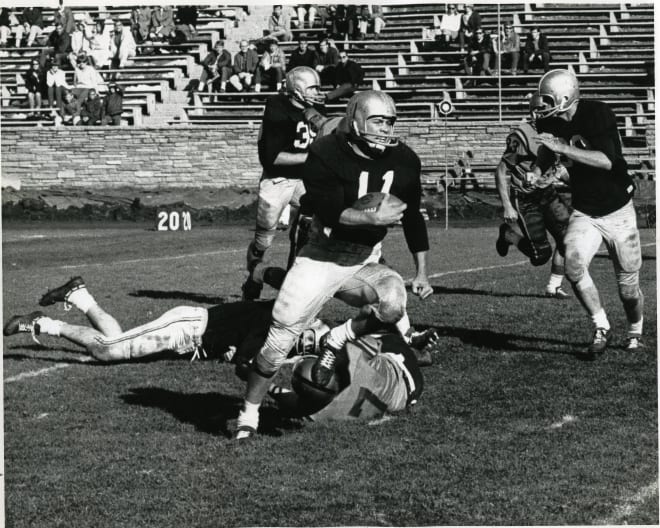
column 303, row 84
column 559, row 90
column 368, row 105
column 309, row 339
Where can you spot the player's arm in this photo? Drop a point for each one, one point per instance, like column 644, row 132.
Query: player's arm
column 592, row 158
column 502, row 184
column 276, row 147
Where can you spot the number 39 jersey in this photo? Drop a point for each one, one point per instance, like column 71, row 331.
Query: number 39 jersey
column 335, row 177
column 283, row 129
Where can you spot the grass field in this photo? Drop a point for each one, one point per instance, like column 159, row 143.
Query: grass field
column 511, row 430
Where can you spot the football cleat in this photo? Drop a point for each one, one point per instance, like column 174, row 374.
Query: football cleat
column 502, row 244
column 557, row 293
column 421, row 340
column 251, row 289
column 61, row 293
column 598, row 344
column 324, row 367
column 634, row 342
column 244, row 432
column 27, row 324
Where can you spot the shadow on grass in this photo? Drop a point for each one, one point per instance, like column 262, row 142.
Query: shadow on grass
column 184, row 296
column 208, row 412
column 470, row 291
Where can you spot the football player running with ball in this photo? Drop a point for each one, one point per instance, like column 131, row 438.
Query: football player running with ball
column 341, row 257
column 585, row 132
column 284, row 140
column 531, row 200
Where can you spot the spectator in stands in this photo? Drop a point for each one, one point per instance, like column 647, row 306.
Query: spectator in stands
column 348, row 77
column 56, row 84
column 371, row 15
column 537, row 51
column 302, row 56
column 470, row 23
column 86, row 78
column 216, row 69
column 113, row 105
column 60, row 41
column 510, row 49
column 271, row 68
column 328, row 58
column 141, row 23
column 91, row 109
column 78, row 40
column 64, row 15
column 303, row 10
column 35, row 84
column 162, row 23
column 9, row 24
column 69, row 112
column 97, row 45
column 480, row 51
column 450, row 26
column 279, row 25
column 246, row 62
column 122, row 45
column 33, row 23
column 345, row 21
column 185, row 27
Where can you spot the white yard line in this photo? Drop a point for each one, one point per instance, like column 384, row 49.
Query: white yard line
column 628, row 504
column 34, row 373
column 564, row 420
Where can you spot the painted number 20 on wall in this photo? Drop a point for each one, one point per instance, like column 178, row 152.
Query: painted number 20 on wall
column 174, row 221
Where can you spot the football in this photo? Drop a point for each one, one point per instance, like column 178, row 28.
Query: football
column 371, row 201
column 314, row 396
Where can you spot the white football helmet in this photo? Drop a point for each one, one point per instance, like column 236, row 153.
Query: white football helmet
column 559, row 90
column 368, row 105
column 304, row 85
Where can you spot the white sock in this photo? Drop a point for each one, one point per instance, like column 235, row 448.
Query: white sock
column 48, row 326
column 600, row 319
column 555, row 281
column 249, row 415
column 81, row 299
column 636, row 328
column 340, row 335
column 403, row 324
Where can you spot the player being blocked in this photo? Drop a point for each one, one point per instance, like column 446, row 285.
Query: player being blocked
column 342, row 256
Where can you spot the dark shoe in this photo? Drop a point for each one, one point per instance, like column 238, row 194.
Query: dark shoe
column 324, row 367
column 244, row 432
column 502, row 244
column 598, row 344
column 633, row 342
column 251, row 289
column 421, row 340
column 62, row 293
column 20, row 324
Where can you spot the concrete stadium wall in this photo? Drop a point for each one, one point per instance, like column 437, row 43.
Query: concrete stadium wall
column 196, row 156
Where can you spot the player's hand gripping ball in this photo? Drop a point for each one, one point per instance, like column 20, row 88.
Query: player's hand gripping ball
column 389, row 206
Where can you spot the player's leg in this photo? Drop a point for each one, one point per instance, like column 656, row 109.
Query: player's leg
column 534, row 244
column 75, row 293
column 582, row 240
column 623, row 243
column 556, row 214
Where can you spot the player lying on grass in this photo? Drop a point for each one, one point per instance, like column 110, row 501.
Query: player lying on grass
column 525, row 179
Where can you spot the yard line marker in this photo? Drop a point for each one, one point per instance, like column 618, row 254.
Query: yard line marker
column 564, row 420
column 381, row 420
column 34, row 373
column 630, row 503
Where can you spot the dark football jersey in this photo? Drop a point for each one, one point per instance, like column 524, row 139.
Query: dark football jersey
column 335, row 177
column 242, row 324
column 283, row 129
column 596, row 192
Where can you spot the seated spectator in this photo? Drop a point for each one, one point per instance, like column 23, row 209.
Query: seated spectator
column 113, row 105
column 185, row 26
column 78, row 39
column 306, row 10
column 470, row 23
column 35, row 84
column 162, row 23
column 9, row 24
column 371, row 14
column 140, row 23
column 97, row 45
column 216, row 69
column 327, row 60
column 450, row 26
column 348, row 77
column 33, row 23
column 510, row 49
column 246, row 62
column 122, row 45
column 302, row 56
column 60, row 42
column 91, row 109
column 271, row 68
column 279, row 25
column 56, row 84
column 536, row 52
column 64, row 15
column 480, row 51
column 86, row 78
column 69, row 112
column 344, row 21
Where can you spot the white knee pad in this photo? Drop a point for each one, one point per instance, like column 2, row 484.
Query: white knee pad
column 585, row 282
column 279, row 342
column 628, row 284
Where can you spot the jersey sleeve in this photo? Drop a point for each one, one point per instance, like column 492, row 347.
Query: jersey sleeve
column 414, row 226
column 275, row 135
column 324, row 193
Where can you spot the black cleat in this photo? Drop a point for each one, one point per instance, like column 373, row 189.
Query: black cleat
column 251, row 289
column 633, row 342
column 502, row 244
column 62, row 293
column 324, row 367
column 244, row 432
column 598, row 344
column 20, row 324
